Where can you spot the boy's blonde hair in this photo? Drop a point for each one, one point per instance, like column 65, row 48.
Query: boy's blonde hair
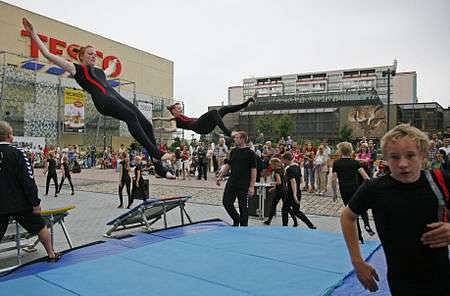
column 406, row 130
column 5, row 130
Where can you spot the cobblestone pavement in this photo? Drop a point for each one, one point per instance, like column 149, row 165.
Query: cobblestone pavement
column 96, row 204
column 202, row 192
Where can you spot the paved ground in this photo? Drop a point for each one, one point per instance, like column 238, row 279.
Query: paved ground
column 96, row 201
column 203, row 192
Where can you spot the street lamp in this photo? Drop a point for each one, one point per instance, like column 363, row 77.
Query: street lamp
column 388, row 73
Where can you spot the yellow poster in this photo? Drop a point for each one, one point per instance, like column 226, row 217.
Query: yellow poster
column 74, row 101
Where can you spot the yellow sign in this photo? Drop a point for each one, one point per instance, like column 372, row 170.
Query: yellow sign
column 74, row 101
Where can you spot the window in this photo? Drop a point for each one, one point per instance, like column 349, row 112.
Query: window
column 303, row 77
column 351, row 74
column 320, row 75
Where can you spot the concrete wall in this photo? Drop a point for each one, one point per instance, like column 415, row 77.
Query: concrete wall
column 404, row 88
column 235, row 95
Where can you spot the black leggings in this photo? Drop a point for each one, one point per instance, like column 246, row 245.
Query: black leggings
column 294, row 209
column 229, row 196
column 208, row 121
column 54, row 177
column 284, row 210
column 127, row 183
column 139, row 127
column 69, row 178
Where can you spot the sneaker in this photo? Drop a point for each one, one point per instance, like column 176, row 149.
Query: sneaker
column 170, row 176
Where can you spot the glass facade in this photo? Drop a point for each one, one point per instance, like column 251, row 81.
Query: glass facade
column 428, row 117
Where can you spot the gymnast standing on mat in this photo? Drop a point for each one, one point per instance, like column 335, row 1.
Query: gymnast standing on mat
column 106, row 100
column 205, row 123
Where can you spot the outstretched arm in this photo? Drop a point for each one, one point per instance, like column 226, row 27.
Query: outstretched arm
column 366, row 273
column 68, row 66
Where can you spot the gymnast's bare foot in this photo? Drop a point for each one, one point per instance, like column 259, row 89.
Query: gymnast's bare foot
column 253, row 98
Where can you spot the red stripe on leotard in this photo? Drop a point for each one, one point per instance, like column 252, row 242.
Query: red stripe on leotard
column 91, row 80
column 185, row 119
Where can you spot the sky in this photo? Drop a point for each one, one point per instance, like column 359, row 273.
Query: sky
column 216, row 44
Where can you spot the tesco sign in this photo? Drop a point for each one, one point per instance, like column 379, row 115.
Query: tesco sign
column 57, row 47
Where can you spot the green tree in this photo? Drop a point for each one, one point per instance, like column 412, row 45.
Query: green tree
column 265, row 124
column 176, row 143
column 345, row 134
column 284, row 126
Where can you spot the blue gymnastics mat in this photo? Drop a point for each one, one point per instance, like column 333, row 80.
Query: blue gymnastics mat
column 208, row 258
column 352, row 287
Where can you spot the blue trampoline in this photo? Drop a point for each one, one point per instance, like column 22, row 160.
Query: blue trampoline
column 205, row 258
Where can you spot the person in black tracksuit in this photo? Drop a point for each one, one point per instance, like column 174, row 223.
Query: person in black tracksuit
column 125, row 179
column 206, row 123
column 202, row 161
column 294, row 194
column 349, row 172
column 280, row 194
column 19, row 193
column 139, row 189
column 241, row 183
column 66, row 175
column 106, row 100
column 50, row 170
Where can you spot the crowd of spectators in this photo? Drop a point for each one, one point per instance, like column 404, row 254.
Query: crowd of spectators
column 200, row 159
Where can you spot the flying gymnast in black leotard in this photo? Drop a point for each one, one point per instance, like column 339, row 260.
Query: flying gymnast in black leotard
column 107, row 101
column 205, row 123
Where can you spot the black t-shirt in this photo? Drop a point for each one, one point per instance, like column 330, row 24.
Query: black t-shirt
column 347, row 172
column 293, row 172
column 51, row 166
column 401, row 212
column 280, row 188
column 242, row 160
column 124, row 168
